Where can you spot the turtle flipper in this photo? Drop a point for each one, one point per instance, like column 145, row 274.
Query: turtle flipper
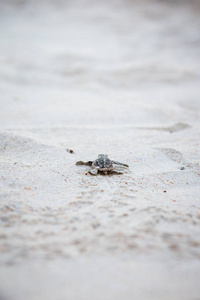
column 93, row 171
column 84, row 163
column 120, row 164
column 116, row 172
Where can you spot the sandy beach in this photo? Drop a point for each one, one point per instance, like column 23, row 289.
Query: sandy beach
column 115, row 77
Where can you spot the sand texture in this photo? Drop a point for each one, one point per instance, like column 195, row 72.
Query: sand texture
column 116, row 77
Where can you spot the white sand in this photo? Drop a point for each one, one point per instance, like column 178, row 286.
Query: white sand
column 115, row 77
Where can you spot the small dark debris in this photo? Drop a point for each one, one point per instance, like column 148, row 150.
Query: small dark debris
column 165, row 191
column 70, row 151
column 182, row 168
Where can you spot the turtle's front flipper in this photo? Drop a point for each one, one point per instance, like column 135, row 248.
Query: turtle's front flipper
column 84, row 163
column 118, row 163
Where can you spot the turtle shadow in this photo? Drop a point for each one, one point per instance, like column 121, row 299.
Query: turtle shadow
column 110, row 174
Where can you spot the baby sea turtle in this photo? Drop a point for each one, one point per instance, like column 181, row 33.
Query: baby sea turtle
column 102, row 165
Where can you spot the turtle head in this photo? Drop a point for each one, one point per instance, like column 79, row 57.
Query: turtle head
column 102, row 155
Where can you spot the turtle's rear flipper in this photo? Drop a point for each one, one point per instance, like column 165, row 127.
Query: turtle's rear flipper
column 116, row 172
column 84, row 163
column 93, row 171
column 118, row 163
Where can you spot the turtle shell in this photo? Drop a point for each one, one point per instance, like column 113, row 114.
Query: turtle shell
column 103, row 163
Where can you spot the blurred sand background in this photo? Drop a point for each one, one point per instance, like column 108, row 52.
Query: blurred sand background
column 115, row 77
